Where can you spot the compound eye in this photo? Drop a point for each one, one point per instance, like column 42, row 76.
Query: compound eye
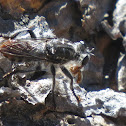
column 85, row 60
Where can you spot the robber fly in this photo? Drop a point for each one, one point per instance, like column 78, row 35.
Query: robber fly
column 55, row 51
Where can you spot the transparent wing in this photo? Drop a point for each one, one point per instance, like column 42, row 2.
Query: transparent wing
column 23, row 49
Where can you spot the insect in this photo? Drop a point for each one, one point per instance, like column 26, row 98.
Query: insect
column 55, row 51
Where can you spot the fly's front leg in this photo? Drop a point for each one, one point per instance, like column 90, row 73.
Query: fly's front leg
column 76, row 70
column 68, row 74
column 53, row 71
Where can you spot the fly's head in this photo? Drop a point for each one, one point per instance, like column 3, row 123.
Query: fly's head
column 83, row 51
column 84, row 56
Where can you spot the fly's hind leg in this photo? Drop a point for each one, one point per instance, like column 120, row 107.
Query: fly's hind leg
column 68, row 74
column 14, row 71
column 53, row 71
column 7, row 75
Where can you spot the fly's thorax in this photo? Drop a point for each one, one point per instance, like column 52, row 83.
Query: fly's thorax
column 59, row 52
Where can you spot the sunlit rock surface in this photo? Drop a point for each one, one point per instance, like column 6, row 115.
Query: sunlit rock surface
column 26, row 97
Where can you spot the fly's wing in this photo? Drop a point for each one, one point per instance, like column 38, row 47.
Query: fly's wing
column 20, row 50
column 49, row 49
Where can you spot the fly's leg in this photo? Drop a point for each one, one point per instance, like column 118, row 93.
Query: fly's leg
column 68, row 74
column 6, row 36
column 76, row 70
column 9, row 74
column 53, row 71
column 14, row 72
column 28, row 30
column 32, row 34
